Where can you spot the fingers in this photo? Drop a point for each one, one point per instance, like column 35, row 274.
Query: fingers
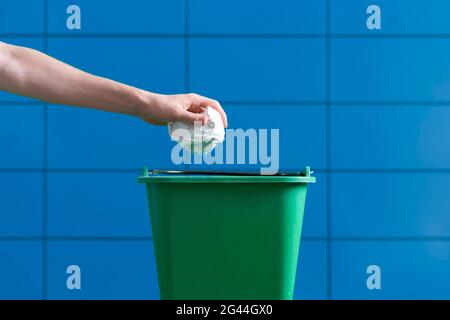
column 187, row 108
column 207, row 102
column 190, row 117
column 195, row 106
column 216, row 105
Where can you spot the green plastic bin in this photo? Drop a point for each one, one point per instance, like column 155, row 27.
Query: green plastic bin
column 226, row 236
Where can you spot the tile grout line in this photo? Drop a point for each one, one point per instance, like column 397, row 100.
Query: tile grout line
column 45, row 173
column 328, row 152
column 293, row 103
column 187, row 86
column 304, row 238
column 186, row 46
column 360, row 36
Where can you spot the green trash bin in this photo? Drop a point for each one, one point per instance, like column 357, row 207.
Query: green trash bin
column 226, row 236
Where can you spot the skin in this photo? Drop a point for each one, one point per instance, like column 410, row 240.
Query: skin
column 31, row 73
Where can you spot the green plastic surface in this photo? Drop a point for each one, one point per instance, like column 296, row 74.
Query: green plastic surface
column 226, row 237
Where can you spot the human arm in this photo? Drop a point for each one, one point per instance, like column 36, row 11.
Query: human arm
column 28, row 72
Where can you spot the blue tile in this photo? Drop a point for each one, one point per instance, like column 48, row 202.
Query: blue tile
column 311, row 271
column 21, row 204
column 81, row 138
column 21, row 136
column 392, row 205
column 151, row 64
column 256, row 69
column 301, row 136
column 409, row 270
column 20, row 270
column 24, row 42
column 97, row 204
column 253, row 16
column 390, row 137
column 132, row 266
column 315, row 215
column 399, row 16
column 390, row 70
column 115, row 16
column 109, row 270
column 19, row 16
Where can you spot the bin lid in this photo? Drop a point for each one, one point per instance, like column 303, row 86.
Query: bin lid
column 199, row 176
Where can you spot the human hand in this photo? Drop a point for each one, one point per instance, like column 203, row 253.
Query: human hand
column 30, row 73
column 159, row 109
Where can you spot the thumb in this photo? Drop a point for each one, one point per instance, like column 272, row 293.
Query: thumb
column 190, row 117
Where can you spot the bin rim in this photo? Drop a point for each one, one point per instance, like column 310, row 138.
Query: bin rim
column 167, row 176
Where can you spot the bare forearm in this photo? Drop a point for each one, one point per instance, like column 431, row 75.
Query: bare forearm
column 28, row 72
column 31, row 73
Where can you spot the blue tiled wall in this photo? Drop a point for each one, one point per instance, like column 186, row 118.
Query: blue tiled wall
column 367, row 109
column 390, row 205
column 21, row 205
column 243, row 69
column 272, row 17
column 118, row 209
column 21, row 136
column 110, row 270
column 390, row 137
column 107, row 141
column 120, row 17
column 21, row 269
column 152, row 64
column 410, row 270
column 22, row 17
column 415, row 17
column 390, row 70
